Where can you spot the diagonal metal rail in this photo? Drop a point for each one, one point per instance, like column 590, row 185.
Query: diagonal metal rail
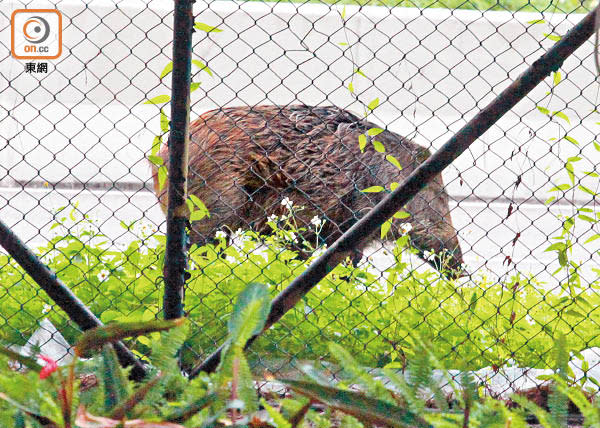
column 177, row 210
column 62, row 295
column 451, row 150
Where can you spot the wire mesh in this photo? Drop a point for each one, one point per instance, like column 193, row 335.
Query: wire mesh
column 76, row 181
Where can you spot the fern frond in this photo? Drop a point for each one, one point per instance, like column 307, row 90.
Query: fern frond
column 359, row 375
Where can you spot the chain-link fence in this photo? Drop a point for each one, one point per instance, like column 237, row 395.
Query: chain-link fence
column 81, row 161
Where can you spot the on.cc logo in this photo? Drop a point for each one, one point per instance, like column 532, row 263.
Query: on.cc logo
column 36, row 34
column 36, row 29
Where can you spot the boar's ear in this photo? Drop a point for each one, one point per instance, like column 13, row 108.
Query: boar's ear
column 262, row 171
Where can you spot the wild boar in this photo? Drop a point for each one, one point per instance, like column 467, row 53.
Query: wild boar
column 244, row 161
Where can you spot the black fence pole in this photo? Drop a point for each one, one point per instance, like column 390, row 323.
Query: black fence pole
column 177, row 211
column 452, row 149
column 62, row 295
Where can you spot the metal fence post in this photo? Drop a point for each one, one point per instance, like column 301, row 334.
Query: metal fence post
column 177, row 214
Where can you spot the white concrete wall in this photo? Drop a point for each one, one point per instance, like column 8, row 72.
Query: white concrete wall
column 433, row 70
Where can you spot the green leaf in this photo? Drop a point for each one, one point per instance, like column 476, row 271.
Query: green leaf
column 359, row 71
column 568, row 224
column 588, row 190
column 206, row 28
column 161, row 99
column 99, row 336
column 376, row 412
column 164, row 122
column 553, row 37
column 562, row 258
column 197, row 202
column 254, row 299
column 168, row 68
column 536, row 21
column 197, row 215
column 194, row 86
column 234, row 367
column 401, row 215
column 558, row 246
column 164, row 350
column 575, row 313
column 156, row 145
column 570, row 172
column 587, row 218
column 343, row 44
column 560, row 187
column 571, row 140
column 202, row 66
column 562, row 116
column 385, row 228
column 362, row 142
column 473, row 301
column 200, row 212
column 391, row 159
column 156, row 160
column 351, row 87
column 592, row 238
column 374, row 131
column 373, row 104
column 394, row 185
column 344, row 13
column 556, row 77
column 373, row 189
column 543, row 110
column 162, row 177
column 597, row 146
column 378, row 146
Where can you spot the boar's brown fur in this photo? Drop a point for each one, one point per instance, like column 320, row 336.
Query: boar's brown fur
column 244, row 160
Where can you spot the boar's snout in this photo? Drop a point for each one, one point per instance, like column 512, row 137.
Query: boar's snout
column 441, row 249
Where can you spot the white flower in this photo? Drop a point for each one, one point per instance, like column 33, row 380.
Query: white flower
column 273, row 218
column 287, row 202
column 406, row 228
column 429, row 255
column 292, row 237
column 316, row 221
column 46, row 309
column 103, row 275
column 220, row 234
column 238, row 235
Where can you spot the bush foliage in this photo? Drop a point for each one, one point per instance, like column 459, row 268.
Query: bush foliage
column 472, row 323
